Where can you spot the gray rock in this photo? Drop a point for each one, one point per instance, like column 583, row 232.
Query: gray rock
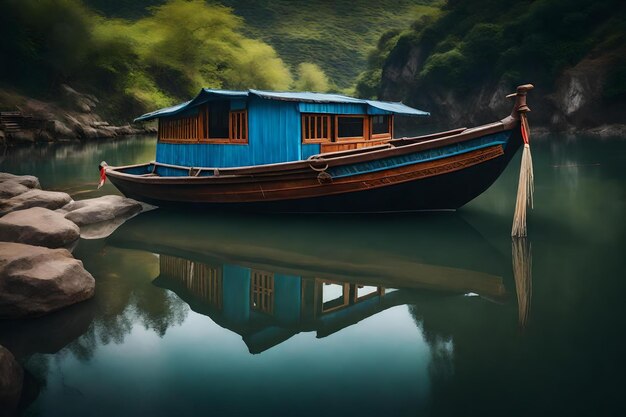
column 106, row 132
column 84, row 102
column 38, row 226
column 35, row 281
column 617, row 130
column 88, row 132
column 125, row 130
column 11, row 382
column 149, row 128
column 97, row 210
column 35, row 198
column 23, row 136
column 25, row 180
column 60, row 130
column 102, row 229
column 44, row 136
column 10, row 189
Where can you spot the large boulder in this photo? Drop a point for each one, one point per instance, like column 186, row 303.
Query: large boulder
column 25, row 180
column 35, row 198
column 35, row 280
column 99, row 217
column 9, row 189
column 11, row 382
column 96, row 210
column 38, row 226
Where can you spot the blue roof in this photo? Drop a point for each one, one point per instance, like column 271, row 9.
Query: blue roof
column 206, row 95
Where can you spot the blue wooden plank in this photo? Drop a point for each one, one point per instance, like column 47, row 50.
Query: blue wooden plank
column 423, row 156
column 309, row 149
column 273, row 136
column 333, row 108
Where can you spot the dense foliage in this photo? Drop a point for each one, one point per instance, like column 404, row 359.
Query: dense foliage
column 141, row 54
column 336, row 35
column 472, row 42
column 164, row 56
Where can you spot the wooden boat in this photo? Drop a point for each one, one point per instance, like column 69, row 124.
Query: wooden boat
column 310, row 152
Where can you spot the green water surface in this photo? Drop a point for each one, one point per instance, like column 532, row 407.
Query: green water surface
column 394, row 315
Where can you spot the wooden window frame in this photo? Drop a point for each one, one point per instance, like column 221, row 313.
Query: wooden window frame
column 183, row 127
column 232, row 115
column 191, row 129
column 238, row 127
column 366, row 130
column 380, row 291
column 203, row 281
column 305, row 121
column 388, row 134
column 264, row 296
column 345, row 297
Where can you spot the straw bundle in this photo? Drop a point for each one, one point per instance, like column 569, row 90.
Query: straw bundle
column 525, row 187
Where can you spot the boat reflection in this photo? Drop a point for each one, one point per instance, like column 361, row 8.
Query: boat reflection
column 266, row 307
column 269, row 280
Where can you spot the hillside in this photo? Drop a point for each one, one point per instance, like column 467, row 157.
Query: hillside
column 336, row 35
column 134, row 64
column 475, row 52
column 446, row 57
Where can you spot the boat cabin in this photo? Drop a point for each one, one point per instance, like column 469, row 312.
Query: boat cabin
column 221, row 128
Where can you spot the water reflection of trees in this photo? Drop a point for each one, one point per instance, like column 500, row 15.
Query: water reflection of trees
column 124, row 297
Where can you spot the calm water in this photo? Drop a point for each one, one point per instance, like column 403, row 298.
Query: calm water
column 335, row 315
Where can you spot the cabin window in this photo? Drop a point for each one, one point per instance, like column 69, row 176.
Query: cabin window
column 180, row 129
column 315, row 128
column 262, row 291
column 350, row 127
column 381, row 126
column 239, row 126
column 220, row 125
column 218, row 120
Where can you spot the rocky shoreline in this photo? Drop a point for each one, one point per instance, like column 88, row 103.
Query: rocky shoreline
column 38, row 230
column 72, row 118
column 38, row 274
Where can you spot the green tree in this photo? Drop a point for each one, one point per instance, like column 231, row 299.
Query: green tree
column 311, row 78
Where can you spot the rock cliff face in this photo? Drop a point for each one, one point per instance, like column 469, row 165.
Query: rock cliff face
column 574, row 102
column 72, row 116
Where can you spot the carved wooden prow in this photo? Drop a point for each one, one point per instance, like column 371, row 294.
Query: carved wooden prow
column 520, row 100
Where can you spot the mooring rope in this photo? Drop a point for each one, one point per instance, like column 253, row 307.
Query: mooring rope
column 323, row 177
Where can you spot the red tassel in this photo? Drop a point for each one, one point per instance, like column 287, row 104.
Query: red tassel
column 103, row 176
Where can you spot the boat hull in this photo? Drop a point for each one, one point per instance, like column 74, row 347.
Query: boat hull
column 418, row 179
